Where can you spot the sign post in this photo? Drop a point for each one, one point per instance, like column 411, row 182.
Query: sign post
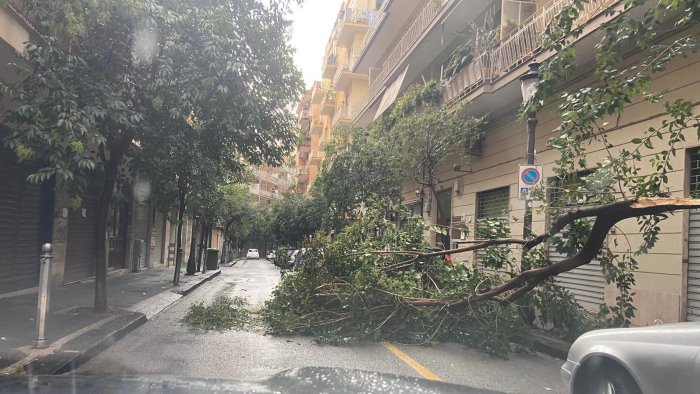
column 529, row 176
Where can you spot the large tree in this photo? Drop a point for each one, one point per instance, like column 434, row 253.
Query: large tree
column 200, row 86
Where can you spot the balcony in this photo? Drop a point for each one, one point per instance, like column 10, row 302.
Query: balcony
column 524, row 42
column 317, row 125
column 305, row 148
column 354, row 20
column 303, row 175
column 423, row 20
column 369, row 36
column 20, row 8
column 315, row 157
column 316, row 92
column 343, row 116
column 330, row 65
column 328, row 103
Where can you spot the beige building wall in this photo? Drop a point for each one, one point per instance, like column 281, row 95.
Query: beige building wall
column 659, row 292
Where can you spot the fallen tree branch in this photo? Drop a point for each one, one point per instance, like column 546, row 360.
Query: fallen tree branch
column 606, row 216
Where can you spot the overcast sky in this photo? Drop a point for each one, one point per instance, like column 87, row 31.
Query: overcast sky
column 313, row 23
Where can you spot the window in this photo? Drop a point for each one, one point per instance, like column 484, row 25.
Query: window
column 492, row 203
column 695, row 173
column 416, row 209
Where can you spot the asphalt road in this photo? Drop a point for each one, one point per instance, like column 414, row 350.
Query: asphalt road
column 165, row 346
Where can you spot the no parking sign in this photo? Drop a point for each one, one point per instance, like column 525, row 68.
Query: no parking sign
column 529, row 176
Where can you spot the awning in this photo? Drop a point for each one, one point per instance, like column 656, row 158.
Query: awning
column 390, row 94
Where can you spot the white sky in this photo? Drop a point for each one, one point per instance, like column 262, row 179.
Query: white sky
column 313, row 23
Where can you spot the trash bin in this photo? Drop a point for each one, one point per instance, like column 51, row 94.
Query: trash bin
column 212, row 259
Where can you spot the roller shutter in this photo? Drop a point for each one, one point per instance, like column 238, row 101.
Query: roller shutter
column 141, row 232
column 693, row 312
column 693, row 297
column 158, row 238
column 19, row 226
column 586, row 283
column 81, row 252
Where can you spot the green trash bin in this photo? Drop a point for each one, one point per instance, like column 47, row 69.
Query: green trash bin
column 212, row 259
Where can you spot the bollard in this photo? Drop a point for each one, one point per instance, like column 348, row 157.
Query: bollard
column 42, row 306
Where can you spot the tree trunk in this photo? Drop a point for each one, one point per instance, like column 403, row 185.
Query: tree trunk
column 111, row 168
column 191, row 263
column 178, row 241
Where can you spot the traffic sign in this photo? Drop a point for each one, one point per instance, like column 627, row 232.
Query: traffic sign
column 529, row 176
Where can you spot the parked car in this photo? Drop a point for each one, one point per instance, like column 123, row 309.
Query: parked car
column 271, row 256
column 299, row 258
column 654, row 359
column 252, row 254
column 292, row 257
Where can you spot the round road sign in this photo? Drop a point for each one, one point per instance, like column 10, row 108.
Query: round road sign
column 531, row 176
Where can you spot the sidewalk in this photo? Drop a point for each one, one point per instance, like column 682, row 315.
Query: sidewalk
column 73, row 331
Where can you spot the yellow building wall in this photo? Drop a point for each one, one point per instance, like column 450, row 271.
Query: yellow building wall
column 660, row 277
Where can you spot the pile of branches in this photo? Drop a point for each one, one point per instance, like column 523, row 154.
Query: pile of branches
column 379, row 281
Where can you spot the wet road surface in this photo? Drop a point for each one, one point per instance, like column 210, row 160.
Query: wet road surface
column 165, row 346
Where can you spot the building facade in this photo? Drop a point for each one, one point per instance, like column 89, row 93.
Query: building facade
column 271, row 183
column 328, row 101
column 139, row 235
column 407, row 43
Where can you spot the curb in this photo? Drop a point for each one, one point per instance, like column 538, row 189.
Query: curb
column 102, row 345
column 551, row 346
column 195, row 285
column 67, row 358
column 94, row 341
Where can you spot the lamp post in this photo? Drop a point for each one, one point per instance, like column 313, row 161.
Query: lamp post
column 528, row 88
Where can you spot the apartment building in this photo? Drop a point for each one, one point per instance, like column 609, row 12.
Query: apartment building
column 409, row 42
column 329, row 105
column 271, row 183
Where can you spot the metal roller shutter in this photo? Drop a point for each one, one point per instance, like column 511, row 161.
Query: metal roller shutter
column 141, row 232
column 586, row 283
column 157, row 239
column 693, row 297
column 81, row 253
column 693, row 311
column 19, row 226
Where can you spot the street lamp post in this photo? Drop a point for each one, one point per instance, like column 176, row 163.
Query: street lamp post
column 528, row 87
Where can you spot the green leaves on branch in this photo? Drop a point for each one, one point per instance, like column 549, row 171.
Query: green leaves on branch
column 346, row 290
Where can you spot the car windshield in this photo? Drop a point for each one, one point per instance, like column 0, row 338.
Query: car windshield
column 350, row 195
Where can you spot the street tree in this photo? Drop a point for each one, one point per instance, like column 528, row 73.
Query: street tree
column 356, row 169
column 294, row 218
column 213, row 79
column 408, row 292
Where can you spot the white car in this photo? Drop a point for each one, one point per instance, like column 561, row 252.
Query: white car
column 252, row 254
column 655, row 359
column 271, row 256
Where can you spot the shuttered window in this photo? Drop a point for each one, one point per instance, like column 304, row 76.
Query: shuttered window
column 587, row 282
column 491, row 204
column 693, row 297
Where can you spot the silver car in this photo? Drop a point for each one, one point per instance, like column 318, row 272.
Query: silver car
column 655, row 359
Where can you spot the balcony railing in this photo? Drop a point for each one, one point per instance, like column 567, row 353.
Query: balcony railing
column 20, row 7
column 344, row 113
column 359, row 15
column 518, row 48
column 420, row 24
column 266, row 176
column 376, row 22
column 328, row 98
